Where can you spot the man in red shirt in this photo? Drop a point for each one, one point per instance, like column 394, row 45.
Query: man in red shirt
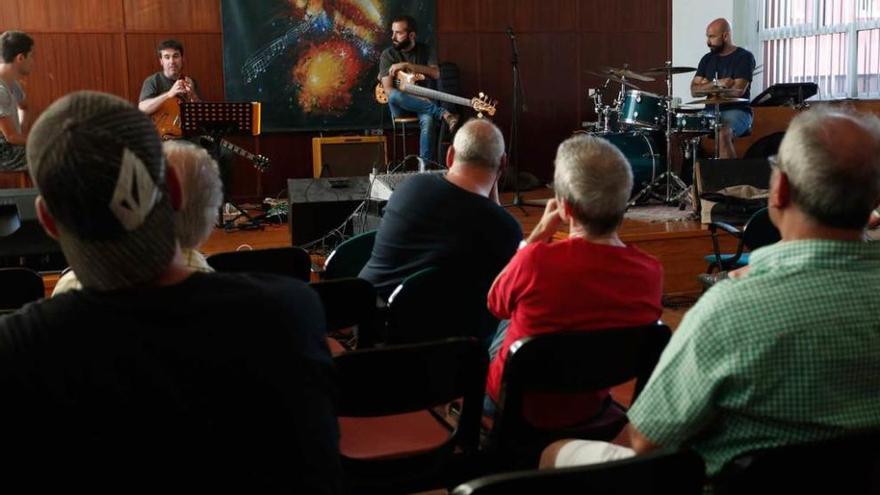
column 589, row 281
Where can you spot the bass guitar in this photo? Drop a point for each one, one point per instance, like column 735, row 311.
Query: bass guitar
column 406, row 82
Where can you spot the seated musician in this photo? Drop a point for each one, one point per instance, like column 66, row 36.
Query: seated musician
column 169, row 82
column 413, row 57
column 730, row 67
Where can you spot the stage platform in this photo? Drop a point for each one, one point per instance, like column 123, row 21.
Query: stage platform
column 680, row 245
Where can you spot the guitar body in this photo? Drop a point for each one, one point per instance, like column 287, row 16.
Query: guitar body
column 167, row 119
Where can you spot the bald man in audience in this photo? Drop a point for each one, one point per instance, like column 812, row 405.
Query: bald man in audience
column 452, row 222
column 788, row 352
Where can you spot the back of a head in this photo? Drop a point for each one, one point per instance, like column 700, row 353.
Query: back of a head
column 14, row 43
column 832, row 161
column 97, row 162
column 201, row 188
column 595, row 179
column 479, row 143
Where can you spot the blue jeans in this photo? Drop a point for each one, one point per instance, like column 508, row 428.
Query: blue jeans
column 738, row 120
column 489, row 405
column 429, row 114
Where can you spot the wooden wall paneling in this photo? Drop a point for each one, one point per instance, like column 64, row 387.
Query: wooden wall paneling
column 203, row 61
column 45, row 16
column 167, row 16
column 463, row 49
column 528, row 15
column 68, row 62
column 457, row 16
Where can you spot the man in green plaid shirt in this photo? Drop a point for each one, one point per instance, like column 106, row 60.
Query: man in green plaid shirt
column 790, row 352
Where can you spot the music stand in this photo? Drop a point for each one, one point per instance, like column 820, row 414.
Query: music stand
column 214, row 120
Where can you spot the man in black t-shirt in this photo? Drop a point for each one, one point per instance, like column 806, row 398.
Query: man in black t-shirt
column 727, row 66
column 154, row 378
column 413, row 57
column 168, row 83
column 454, row 222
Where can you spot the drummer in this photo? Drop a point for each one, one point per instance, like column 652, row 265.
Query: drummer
column 731, row 67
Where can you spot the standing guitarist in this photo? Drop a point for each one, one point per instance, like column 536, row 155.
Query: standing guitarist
column 408, row 56
column 169, row 82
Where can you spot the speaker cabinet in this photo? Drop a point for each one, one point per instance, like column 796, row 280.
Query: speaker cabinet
column 348, row 156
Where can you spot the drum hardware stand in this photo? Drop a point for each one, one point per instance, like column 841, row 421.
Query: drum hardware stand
column 512, row 147
column 675, row 187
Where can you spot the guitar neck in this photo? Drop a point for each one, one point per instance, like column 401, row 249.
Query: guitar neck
column 435, row 95
column 260, row 162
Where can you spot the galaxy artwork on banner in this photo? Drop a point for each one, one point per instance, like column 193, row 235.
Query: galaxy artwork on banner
column 313, row 63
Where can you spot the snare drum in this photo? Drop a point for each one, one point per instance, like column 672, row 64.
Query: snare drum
column 643, row 109
column 695, row 123
column 642, row 153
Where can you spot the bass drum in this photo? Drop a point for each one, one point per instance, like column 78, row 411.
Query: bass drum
column 642, row 151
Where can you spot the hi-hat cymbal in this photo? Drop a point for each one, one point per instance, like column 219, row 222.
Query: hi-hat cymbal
column 662, row 71
column 613, row 79
column 625, row 73
column 717, row 100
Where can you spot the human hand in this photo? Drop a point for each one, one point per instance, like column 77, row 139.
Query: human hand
column 395, row 68
column 548, row 224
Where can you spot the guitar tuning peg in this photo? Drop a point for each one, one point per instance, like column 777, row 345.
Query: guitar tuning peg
column 482, row 95
column 479, row 115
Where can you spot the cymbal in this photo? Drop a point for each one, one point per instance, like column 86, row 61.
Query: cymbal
column 625, row 73
column 613, row 79
column 717, row 100
column 662, row 71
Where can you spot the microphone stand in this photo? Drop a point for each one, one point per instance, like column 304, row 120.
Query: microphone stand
column 512, row 145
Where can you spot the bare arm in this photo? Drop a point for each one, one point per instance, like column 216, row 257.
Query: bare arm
column 182, row 87
column 12, row 136
column 700, row 85
column 22, row 114
column 639, row 442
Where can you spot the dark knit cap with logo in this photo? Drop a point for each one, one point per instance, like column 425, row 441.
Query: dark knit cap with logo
column 97, row 161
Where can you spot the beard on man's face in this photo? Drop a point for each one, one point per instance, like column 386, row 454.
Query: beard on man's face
column 716, row 48
column 402, row 45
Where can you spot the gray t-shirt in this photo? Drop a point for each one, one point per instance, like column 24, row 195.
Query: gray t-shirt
column 157, row 84
column 10, row 97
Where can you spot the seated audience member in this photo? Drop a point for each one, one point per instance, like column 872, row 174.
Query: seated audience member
column 202, row 196
column 154, row 376
column 453, row 222
column 589, row 281
column 786, row 353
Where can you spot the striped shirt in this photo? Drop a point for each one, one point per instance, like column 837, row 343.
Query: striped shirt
column 788, row 354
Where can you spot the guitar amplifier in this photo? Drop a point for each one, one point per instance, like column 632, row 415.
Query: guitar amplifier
column 348, row 156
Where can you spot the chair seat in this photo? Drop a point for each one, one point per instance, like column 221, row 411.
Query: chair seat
column 390, row 437
column 725, row 259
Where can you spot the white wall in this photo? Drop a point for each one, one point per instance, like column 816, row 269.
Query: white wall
column 689, row 20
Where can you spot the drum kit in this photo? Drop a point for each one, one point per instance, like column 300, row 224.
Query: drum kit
column 636, row 120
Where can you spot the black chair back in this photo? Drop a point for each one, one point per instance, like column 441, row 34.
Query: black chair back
column 681, row 473
column 350, row 302
column 436, row 304
column 570, row 363
column 410, row 378
column 19, row 286
column 349, row 257
column 291, row 261
column 849, row 464
column 760, row 231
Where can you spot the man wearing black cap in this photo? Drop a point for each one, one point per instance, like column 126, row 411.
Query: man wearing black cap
column 154, row 376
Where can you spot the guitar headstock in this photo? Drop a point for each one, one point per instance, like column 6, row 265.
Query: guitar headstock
column 483, row 105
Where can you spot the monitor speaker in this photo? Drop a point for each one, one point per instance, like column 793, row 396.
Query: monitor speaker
column 348, row 156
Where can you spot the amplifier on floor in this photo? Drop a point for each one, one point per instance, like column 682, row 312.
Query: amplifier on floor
column 23, row 242
column 348, row 156
column 318, row 206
